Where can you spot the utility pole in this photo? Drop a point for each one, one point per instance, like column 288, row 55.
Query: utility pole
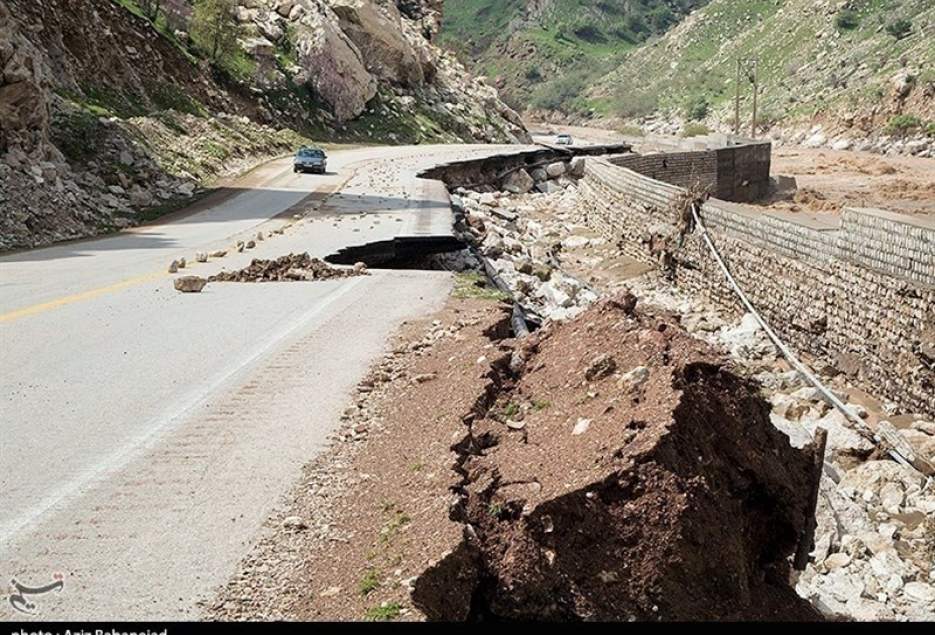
column 749, row 66
column 737, row 100
column 753, row 80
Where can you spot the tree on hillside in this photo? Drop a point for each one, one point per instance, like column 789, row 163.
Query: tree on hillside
column 900, row 28
column 214, row 28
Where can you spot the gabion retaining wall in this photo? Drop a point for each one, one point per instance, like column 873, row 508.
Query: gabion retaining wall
column 859, row 297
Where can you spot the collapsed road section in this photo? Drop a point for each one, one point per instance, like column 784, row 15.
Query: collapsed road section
column 606, row 466
column 432, row 232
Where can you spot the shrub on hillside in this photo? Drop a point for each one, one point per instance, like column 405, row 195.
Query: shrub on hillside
column 695, row 130
column 899, row 28
column 903, row 124
column 215, row 29
column 629, row 104
column 637, row 25
column 76, row 133
column 697, row 108
column 767, row 118
column 662, row 17
column 588, row 33
column 558, row 93
column 847, row 20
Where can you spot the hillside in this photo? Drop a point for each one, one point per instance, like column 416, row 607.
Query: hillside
column 542, row 53
column 855, row 68
column 113, row 112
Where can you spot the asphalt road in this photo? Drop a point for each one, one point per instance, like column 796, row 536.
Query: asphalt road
column 145, row 434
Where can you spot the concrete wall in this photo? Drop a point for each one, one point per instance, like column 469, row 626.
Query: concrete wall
column 858, row 296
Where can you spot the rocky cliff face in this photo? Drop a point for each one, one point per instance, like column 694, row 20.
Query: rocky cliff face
column 107, row 119
column 349, row 52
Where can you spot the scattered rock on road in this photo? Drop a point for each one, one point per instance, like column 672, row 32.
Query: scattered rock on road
column 190, row 284
column 294, row 267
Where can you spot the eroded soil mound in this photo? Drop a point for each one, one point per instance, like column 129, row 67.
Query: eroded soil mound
column 288, row 268
column 617, row 469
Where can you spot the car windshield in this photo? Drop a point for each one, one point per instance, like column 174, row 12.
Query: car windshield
column 311, row 153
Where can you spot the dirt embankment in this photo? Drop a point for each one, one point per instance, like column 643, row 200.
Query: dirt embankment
column 617, row 469
column 601, row 461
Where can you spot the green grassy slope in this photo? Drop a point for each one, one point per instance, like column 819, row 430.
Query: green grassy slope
column 543, row 52
column 815, row 58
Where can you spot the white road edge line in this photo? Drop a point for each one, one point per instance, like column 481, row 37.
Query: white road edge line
column 161, row 424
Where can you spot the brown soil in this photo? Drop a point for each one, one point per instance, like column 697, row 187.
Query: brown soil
column 368, row 536
column 608, row 499
column 834, row 179
column 285, row 268
column 815, row 201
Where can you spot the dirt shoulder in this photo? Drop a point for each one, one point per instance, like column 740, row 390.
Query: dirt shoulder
column 371, row 513
column 371, row 533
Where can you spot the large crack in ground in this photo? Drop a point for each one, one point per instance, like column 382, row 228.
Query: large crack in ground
column 407, row 252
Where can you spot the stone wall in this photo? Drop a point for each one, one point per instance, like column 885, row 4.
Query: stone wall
column 685, row 169
column 732, row 173
column 857, row 297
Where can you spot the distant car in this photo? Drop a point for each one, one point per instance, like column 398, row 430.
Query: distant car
column 310, row 160
column 564, row 140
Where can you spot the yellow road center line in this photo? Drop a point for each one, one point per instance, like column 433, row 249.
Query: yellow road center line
column 93, row 293
column 78, row 297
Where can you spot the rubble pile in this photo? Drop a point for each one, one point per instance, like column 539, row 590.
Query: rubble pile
column 294, row 267
column 527, row 253
column 619, row 469
column 874, row 556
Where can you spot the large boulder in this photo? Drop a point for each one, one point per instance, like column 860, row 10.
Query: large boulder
column 518, row 182
column 377, row 33
column 555, row 170
column 329, row 61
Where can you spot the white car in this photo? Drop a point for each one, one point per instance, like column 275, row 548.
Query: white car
column 564, row 140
